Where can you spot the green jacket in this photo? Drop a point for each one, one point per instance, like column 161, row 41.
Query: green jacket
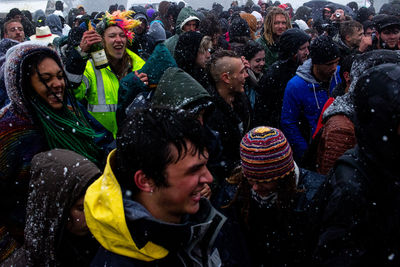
column 99, row 88
column 178, row 90
column 186, row 14
column 271, row 52
column 130, row 86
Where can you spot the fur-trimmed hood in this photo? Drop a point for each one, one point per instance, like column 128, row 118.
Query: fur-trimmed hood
column 13, row 73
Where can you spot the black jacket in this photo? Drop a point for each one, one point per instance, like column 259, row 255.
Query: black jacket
column 359, row 205
column 188, row 244
column 272, row 86
column 278, row 236
column 358, row 215
column 231, row 124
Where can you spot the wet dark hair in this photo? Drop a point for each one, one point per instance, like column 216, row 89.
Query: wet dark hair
column 251, row 49
column 112, row 8
column 27, row 14
column 93, row 14
column 353, row 5
column 59, row 5
column 144, row 143
column 346, row 65
column 210, row 25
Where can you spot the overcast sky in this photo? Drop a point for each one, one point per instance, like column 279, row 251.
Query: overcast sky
column 32, row 5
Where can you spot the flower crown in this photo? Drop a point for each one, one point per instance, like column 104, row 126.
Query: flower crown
column 122, row 20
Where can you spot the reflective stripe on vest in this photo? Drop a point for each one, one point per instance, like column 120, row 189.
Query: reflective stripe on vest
column 75, row 78
column 102, row 106
column 86, row 82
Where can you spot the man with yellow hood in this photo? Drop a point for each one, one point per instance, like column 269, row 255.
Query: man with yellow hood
column 146, row 208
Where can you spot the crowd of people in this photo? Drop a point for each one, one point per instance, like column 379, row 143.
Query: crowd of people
column 254, row 136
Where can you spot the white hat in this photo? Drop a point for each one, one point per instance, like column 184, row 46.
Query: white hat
column 257, row 15
column 302, row 24
column 43, row 35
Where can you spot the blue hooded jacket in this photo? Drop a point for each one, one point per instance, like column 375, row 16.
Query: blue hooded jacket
column 302, row 103
column 55, row 25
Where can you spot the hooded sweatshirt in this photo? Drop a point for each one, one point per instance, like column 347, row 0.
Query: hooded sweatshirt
column 59, row 178
column 55, row 25
column 185, row 15
column 303, row 101
column 186, row 52
column 178, row 90
column 37, row 14
column 131, row 87
column 5, row 45
column 22, row 137
column 130, row 235
column 20, row 140
column 157, row 32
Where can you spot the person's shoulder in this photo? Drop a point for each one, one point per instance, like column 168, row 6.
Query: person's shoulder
column 11, row 122
column 275, row 68
column 296, row 84
column 138, row 62
column 349, row 173
column 261, row 40
column 171, row 39
column 310, row 181
column 339, row 123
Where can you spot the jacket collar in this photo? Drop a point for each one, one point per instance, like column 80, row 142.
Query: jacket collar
column 125, row 227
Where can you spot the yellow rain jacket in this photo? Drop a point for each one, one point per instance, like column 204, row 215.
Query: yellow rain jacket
column 100, row 89
column 105, row 218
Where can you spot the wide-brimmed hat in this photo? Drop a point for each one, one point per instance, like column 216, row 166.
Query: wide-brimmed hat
column 43, row 35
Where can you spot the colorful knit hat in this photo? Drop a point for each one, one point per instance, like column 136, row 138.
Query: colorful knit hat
column 120, row 19
column 266, row 155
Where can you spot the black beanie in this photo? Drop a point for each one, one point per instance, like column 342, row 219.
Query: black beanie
column 323, row 50
column 290, row 42
column 238, row 29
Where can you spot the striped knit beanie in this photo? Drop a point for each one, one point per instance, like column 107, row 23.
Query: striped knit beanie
column 266, row 155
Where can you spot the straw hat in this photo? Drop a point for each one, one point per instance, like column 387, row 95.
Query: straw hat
column 43, row 35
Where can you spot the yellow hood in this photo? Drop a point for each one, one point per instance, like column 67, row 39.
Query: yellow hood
column 105, row 217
